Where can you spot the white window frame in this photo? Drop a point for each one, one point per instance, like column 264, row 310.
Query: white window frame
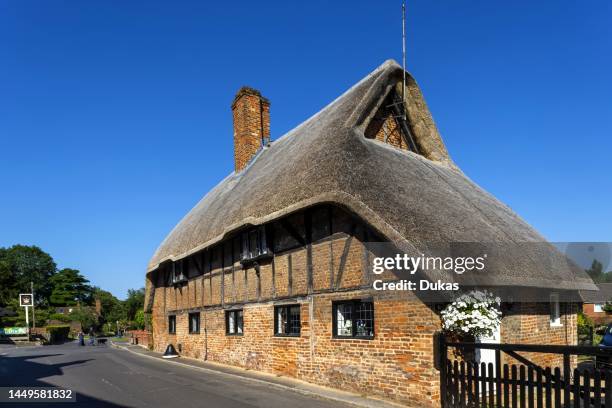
column 555, row 311
column 598, row 307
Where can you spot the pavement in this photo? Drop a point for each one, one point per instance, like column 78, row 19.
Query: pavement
column 123, row 375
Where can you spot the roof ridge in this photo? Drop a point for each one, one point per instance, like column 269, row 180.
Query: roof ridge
column 385, row 65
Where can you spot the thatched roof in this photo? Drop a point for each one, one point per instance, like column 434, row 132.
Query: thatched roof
column 411, row 199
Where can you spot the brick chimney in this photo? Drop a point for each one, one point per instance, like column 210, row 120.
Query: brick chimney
column 251, row 113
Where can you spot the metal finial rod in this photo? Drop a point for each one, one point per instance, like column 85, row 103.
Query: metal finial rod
column 404, row 54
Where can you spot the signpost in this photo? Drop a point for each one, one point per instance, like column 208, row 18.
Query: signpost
column 26, row 300
column 13, row 331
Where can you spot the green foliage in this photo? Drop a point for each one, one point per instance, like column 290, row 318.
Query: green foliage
column 597, row 274
column 583, row 321
column 7, row 289
column 86, row 316
column 139, row 320
column 586, row 328
column 61, row 317
column 69, row 287
column 112, row 308
column 134, row 302
column 20, row 265
column 58, row 333
column 41, row 314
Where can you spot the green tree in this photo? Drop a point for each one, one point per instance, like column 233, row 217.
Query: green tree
column 134, row 302
column 23, row 264
column 7, row 281
column 139, row 320
column 86, row 316
column 112, row 308
column 69, row 287
column 42, row 315
column 597, row 274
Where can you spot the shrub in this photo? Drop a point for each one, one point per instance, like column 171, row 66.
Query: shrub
column 585, row 328
column 58, row 333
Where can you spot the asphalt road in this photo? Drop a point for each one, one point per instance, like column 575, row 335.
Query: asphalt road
column 108, row 377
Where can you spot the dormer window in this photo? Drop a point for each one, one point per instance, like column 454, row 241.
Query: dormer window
column 254, row 245
column 178, row 273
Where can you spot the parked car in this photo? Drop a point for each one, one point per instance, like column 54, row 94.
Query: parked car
column 605, row 343
column 606, row 340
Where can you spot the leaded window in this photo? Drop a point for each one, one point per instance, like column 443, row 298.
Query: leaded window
column 234, row 322
column 287, row 320
column 194, row 323
column 354, row 318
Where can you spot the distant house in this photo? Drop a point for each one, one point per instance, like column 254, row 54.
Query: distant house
column 6, row 312
column 65, row 310
column 595, row 301
column 271, row 269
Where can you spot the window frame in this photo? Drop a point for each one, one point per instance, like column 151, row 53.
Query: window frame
column 177, row 274
column 235, row 312
column 555, row 311
column 172, row 326
column 354, row 303
column 252, row 251
column 598, row 307
column 287, row 325
column 191, row 329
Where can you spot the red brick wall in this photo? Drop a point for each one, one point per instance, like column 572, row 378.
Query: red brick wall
column 600, row 318
column 251, row 114
column 140, row 337
column 529, row 323
column 385, row 128
column 398, row 363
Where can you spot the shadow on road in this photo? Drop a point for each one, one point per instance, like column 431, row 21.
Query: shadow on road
column 20, row 371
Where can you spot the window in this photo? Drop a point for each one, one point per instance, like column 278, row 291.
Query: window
column 171, row 324
column 354, row 318
column 598, row 307
column 178, row 275
column 194, row 323
column 555, row 310
column 287, row 320
column 254, row 244
column 234, row 323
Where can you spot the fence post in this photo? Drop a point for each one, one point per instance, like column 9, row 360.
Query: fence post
column 566, row 378
column 442, row 356
column 498, row 379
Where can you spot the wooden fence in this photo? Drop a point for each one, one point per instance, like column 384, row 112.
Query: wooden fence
column 479, row 385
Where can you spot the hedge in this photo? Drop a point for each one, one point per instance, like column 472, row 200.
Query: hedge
column 58, row 333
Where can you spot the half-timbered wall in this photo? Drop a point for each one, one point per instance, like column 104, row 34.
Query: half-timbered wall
column 319, row 257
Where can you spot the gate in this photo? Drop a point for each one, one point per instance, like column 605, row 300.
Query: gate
column 526, row 385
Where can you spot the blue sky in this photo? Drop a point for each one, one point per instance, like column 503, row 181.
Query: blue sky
column 115, row 116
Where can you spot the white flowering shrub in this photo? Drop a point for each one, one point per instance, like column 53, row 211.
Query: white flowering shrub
column 477, row 313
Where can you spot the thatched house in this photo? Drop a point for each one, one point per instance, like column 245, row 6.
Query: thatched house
column 270, row 269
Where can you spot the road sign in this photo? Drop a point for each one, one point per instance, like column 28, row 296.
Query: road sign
column 13, row 331
column 25, row 299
